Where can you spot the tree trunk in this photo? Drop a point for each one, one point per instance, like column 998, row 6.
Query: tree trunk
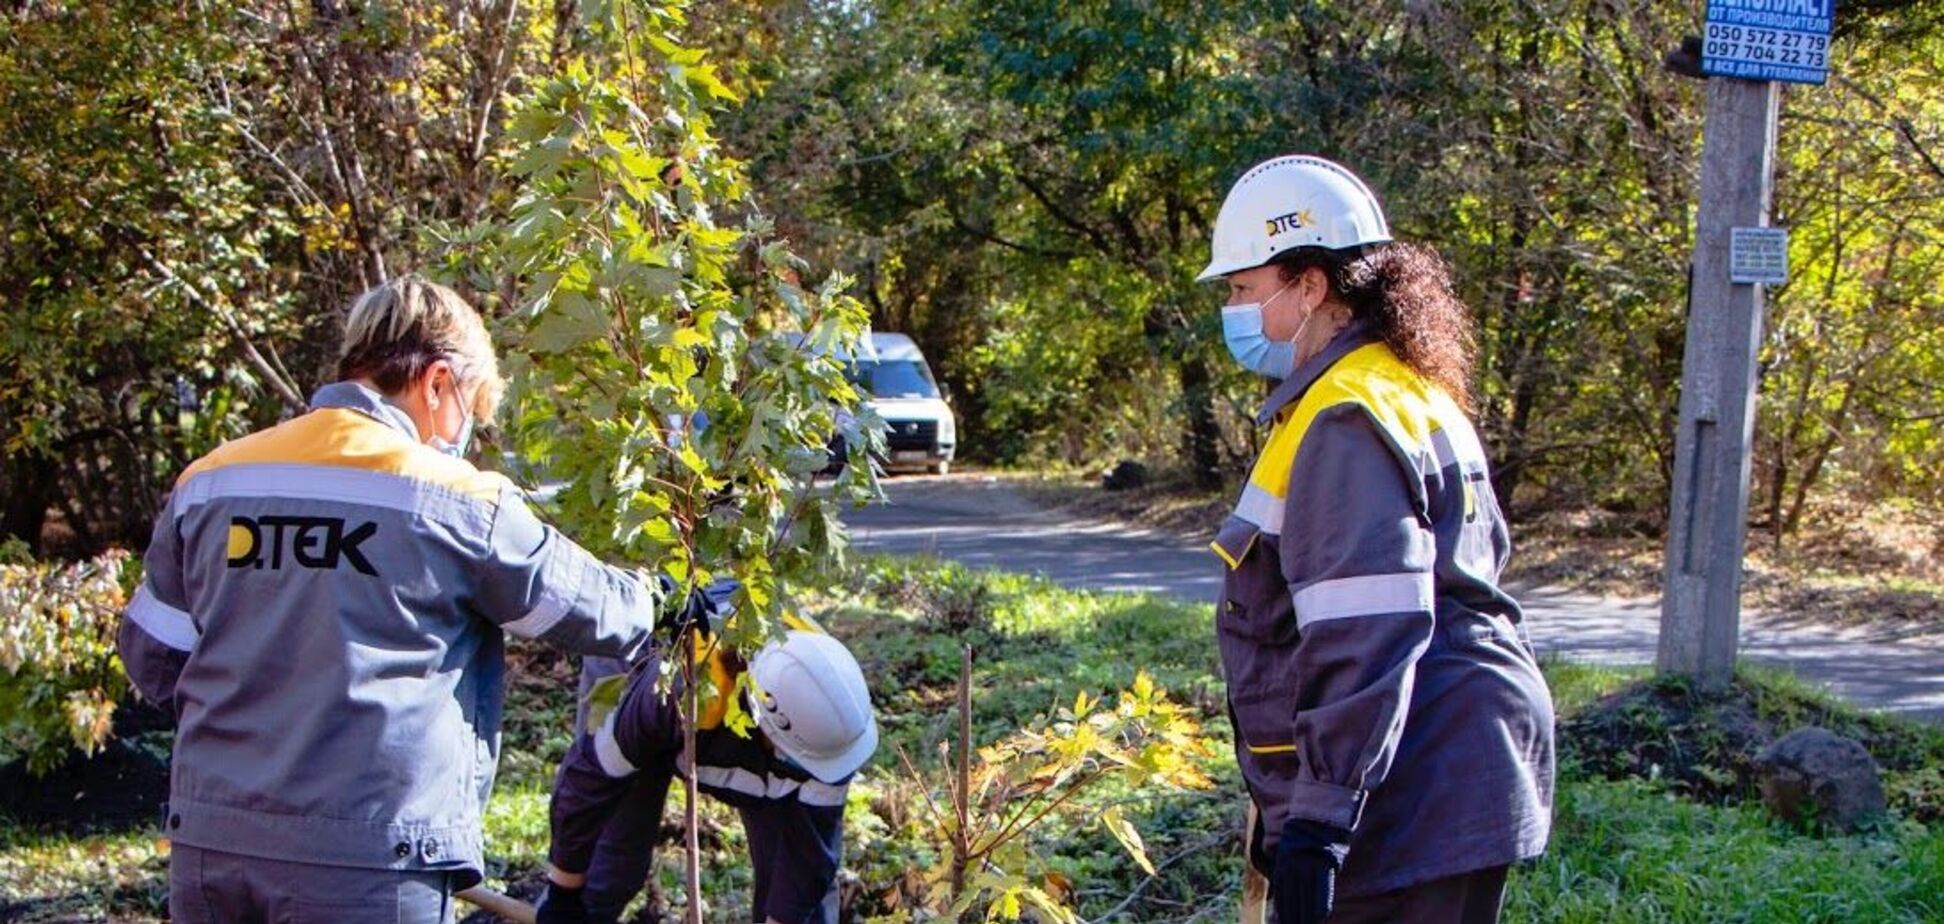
column 1204, row 431
column 31, row 488
column 962, row 791
column 691, row 811
column 1507, row 475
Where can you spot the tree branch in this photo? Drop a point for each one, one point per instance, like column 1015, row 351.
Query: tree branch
column 1045, row 200
column 1180, row 855
column 1904, row 128
column 287, row 390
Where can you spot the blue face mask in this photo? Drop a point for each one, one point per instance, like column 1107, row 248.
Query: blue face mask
column 1242, row 331
column 454, row 449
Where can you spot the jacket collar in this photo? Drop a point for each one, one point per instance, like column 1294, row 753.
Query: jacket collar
column 353, row 396
column 1354, row 336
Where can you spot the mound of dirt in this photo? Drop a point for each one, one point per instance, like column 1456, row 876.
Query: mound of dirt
column 121, row 787
column 1704, row 745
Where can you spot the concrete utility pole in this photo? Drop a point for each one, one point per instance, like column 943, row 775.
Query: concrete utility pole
column 1707, row 531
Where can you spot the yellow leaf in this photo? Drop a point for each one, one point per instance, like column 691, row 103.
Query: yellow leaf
column 687, row 337
column 1123, row 831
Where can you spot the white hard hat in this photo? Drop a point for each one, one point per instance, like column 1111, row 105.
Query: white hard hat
column 1291, row 202
column 811, row 703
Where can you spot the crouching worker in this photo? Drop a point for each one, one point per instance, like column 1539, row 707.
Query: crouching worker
column 787, row 780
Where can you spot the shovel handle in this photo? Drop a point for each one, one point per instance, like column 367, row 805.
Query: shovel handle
column 512, row 909
column 1255, row 886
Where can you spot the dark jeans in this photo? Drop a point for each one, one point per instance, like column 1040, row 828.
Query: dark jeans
column 212, row 887
column 1467, row 898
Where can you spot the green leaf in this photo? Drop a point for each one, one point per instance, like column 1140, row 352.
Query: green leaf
column 572, row 320
column 604, row 697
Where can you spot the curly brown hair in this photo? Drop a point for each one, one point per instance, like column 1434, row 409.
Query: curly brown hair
column 1404, row 292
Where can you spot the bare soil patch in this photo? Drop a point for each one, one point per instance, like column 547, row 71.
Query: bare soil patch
column 1704, row 744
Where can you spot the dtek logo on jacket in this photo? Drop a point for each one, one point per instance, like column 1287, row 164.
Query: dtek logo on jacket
column 312, row 542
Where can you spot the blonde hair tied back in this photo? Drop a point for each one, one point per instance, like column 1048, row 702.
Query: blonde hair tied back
column 397, row 330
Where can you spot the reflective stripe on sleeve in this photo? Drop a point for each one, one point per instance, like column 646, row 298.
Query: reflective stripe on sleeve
column 607, row 751
column 545, row 614
column 1368, row 595
column 1262, row 508
column 734, row 779
column 813, row 792
column 561, row 580
column 164, row 623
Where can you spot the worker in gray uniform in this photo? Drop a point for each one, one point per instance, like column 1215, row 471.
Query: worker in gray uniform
column 323, row 609
column 1391, row 722
column 814, row 727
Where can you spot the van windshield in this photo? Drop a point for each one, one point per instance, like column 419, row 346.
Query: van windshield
column 893, row 378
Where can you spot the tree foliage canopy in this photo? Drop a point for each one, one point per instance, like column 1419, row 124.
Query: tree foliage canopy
column 1027, row 188
column 192, row 192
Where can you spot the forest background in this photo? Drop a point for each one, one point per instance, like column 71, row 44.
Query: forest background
column 192, row 192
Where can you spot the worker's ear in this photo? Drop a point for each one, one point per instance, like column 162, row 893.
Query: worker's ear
column 433, row 386
column 1311, row 288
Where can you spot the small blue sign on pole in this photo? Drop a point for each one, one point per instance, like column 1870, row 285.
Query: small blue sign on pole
column 1786, row 40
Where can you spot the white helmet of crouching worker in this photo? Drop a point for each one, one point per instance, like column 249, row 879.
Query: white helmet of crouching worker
column 810, row 701
column 1289, row 202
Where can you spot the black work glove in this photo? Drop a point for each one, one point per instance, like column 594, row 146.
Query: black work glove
column 1303, row 884
column 705, row 609
column 560, row 905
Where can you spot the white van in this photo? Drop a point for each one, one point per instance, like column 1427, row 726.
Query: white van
column 919, row 430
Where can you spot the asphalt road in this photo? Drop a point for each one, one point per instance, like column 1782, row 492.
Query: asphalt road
column 985, row 523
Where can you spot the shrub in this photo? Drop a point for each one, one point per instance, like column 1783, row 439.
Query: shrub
column 61, row 677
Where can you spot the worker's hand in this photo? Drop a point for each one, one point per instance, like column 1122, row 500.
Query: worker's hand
column 705, row 610
column 560, row 905
column 1303, row 884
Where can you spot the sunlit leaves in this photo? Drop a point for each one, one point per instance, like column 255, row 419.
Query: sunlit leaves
column 654, row 380
column 127, row 212
column 1036, row 777
column 59, row 675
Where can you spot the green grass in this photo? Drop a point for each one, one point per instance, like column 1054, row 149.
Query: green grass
column 1624, row 850
column 1630, row 851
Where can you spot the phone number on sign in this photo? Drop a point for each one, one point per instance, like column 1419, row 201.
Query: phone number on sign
column 1767, row 46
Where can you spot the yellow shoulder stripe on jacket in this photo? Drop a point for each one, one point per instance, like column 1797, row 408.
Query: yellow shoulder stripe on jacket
column 344, row 438
column 1408, row 407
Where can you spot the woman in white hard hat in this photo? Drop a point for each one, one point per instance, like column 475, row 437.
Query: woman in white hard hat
column 1391, row 722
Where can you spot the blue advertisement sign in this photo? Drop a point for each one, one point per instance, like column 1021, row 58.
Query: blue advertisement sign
column 1785, row 40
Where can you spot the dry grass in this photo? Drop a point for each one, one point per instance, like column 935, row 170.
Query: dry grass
column 1170, row 504
column 1877, row 565
column 1853, row 564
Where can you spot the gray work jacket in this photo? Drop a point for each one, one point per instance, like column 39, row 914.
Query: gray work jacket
column 1379, row 679
column 322, row 610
